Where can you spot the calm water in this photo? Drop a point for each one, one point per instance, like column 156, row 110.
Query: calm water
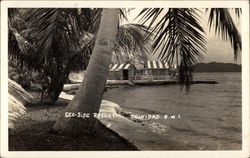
column 210, row 114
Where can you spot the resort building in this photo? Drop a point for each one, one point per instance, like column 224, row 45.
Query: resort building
column 152, row 70
column 121, row 72
column 156, row 70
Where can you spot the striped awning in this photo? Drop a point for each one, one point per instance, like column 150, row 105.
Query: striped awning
column 156, row 65
column 118, row 67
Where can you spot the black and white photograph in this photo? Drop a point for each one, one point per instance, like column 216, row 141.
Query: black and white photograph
column 134, row 78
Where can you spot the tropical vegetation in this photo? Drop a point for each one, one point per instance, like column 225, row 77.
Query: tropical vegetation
column 56, row 41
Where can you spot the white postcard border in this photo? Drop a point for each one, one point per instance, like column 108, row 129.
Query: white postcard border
column 121, row 4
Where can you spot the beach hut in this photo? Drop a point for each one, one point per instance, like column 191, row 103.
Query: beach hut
column 155, row 70
column 121, row 72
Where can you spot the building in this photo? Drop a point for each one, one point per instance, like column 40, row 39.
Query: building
column 121, row 72
column 155, row 70
column 152, row 70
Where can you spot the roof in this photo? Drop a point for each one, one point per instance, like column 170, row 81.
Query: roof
column 118, row 67
column 156, row 65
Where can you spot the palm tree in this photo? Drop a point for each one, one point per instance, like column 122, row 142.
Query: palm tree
column 47, row 47
column 89, row 96
column 57, row 41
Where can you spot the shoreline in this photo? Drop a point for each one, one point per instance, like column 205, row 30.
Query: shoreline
column 144, row 134
column 126, row 83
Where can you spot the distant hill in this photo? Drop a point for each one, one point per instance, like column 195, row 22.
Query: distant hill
column 216, row 67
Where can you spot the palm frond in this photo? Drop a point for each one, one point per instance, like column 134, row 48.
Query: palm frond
column 23, row 44
column 52, row 34
column 15, row 19
column 12, row 12
column 89, row 19
column 238, row 12
column 123, row 13
column 131, row 44
column 80, row 59
column 54, row 26
column 225, row 27
column 22, row 50
column 177, row 34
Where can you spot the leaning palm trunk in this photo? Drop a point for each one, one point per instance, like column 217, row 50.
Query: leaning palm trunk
column 89, row 96
column 18, row 97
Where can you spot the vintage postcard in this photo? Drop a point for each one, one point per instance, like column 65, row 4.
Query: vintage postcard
column 125, row 79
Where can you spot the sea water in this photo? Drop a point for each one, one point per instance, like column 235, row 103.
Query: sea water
column 208, row 117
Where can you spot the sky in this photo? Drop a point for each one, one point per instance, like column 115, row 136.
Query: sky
column 217, row 49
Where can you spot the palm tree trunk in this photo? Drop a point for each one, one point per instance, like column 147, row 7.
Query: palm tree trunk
column 56, row 86
column 53, row 95
column 89, row 96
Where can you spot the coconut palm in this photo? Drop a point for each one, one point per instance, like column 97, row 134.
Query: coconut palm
column 58, row 41
column 54, row 66
column 89, row 96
